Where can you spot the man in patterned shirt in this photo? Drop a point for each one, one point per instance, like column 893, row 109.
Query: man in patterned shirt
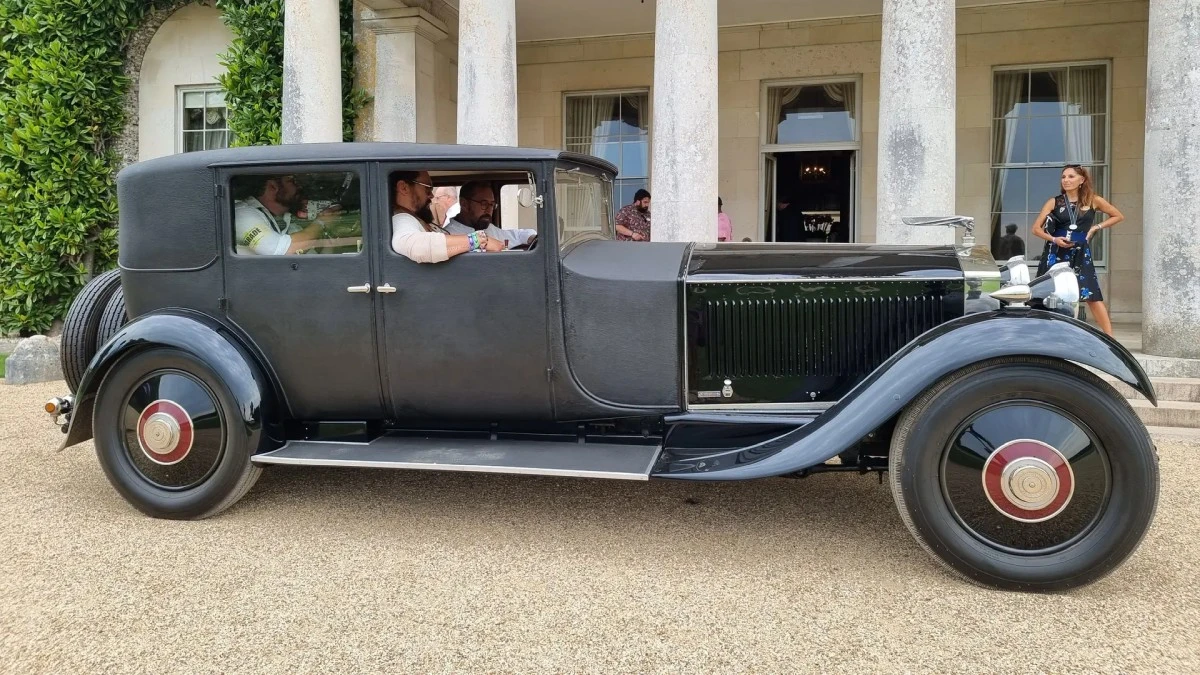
column 633, row 220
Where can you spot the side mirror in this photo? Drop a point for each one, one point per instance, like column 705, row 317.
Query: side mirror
column 526, row 198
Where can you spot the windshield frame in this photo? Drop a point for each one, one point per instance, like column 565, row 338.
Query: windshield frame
column 604, row 179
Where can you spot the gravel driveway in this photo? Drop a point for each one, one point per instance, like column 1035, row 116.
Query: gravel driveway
column 353, row 571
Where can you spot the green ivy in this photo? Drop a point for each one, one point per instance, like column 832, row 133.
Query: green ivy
column 61, row 95
column 253, row 78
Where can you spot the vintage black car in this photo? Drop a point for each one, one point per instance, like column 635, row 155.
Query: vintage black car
column 216, row 351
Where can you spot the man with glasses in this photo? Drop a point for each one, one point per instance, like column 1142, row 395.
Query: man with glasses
column 477, row 204
column 263, row 222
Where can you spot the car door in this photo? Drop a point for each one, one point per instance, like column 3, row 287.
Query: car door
column 463, row 340
column 312, row 315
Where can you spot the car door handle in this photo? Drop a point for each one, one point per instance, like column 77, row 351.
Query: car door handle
column 386, row 288
column 365, row 288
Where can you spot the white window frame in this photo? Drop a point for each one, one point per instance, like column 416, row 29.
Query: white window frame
column 649, row 126
column 193, row 89
column 1103, row 190
column 769, row 148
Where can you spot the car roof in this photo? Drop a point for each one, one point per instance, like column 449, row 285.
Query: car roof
column 369, row 152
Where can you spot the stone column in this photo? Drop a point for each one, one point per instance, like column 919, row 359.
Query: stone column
column 683, row 168
column 487, row 72
column 916, row 120
column 312, row 72
column 1171, row 255
column 404, row 102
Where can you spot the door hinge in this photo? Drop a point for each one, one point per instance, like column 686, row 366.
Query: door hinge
column 223, row 303
column 218, row 190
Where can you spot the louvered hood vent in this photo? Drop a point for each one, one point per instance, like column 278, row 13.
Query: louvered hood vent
column 797, row 342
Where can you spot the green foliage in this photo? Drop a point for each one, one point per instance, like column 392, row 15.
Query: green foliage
column 61, row 93
column 253, row 79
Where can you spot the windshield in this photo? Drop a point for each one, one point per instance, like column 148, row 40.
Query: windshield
column 584, row 203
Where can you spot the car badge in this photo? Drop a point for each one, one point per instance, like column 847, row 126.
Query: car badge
column 727, row 390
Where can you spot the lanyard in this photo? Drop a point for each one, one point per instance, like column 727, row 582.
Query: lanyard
column 1072, row 213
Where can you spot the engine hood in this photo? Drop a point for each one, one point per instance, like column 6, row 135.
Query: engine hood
column 813, row 262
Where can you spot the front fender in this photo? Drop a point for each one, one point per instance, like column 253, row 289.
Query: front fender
column 903, row 377
column 187, row 331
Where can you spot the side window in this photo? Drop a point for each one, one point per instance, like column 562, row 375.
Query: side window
column 297, row 213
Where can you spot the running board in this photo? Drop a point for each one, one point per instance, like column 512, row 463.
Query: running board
column 542, row 458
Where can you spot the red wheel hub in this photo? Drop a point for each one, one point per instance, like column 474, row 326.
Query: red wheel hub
column 165, row 432
column 1028, row 481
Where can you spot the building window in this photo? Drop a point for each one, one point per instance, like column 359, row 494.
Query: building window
column 614, row 126
column 203, row 119
column 1044, row 117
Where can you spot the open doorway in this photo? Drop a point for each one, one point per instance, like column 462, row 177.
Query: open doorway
column 810, row 196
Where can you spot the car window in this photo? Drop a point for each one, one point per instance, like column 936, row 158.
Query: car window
column 584, row 202
column 297, row 213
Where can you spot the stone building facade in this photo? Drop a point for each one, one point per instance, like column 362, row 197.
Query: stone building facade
column 857, row 111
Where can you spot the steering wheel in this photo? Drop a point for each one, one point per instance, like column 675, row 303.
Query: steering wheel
column 527, row 246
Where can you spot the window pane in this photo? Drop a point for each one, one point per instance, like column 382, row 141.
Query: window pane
column 1012, row 237
column 633, row 113
column 1048, row 139
column 1100, row 185
column 1011, row 90
column 580, row 146
column 214, row 118
column 635, row 159
column 1044, row 183
column 215, row 140
column 193, row 99
column 193, row 140
column 1046, row 92
column 1009, row 186
column 609, row 151
column 270, row 209
column 1085, row 139
column 1010, row 140
column 583, row 207
column 215, row 99
column 193, row 118
column 1086, row 87
column 813, row 113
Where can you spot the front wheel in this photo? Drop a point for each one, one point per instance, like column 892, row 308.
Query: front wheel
column 170, row 437
column 1024, row 474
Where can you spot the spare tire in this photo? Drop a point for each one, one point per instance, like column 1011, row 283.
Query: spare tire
column 112, row 319
column 83, row 320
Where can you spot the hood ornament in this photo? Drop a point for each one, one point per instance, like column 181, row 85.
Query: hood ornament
column 965, row 222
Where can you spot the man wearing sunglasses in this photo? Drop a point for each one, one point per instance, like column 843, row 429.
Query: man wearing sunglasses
column 478, row 204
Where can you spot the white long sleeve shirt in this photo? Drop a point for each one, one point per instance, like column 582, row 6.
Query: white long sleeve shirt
column 511, row 238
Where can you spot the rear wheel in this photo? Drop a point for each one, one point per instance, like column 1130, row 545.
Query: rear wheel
column 1024, row 474
column 78, row 341
column 170, row 438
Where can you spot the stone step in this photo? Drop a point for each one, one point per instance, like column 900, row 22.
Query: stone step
column 1168, row 413
column 1166, row 366
column 1166, row 388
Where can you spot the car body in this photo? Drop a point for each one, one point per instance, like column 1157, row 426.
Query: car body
column 584, row 356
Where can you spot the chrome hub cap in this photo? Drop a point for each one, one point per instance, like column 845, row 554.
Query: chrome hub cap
column 1028, row 480
column 165, row 432
column 161, row 433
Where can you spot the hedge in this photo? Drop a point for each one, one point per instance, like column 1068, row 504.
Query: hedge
column 61, row 96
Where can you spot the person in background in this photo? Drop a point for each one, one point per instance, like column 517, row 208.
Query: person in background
column 1069, row 222
column 789, row 225
column 724, row 227
column 633, row 220
column 263, row 222
column 419, row 240
column 444, row 205
column 1011, row 244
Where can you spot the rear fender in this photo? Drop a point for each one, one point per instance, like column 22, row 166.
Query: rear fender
column 903, row 377
column 187, row 331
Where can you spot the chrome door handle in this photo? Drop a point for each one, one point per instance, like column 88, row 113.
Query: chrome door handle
column 365, row 288
column 385, row 288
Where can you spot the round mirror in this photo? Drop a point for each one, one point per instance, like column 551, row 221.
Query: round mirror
column 525, row 196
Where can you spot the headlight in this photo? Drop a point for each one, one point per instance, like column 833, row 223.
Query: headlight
column 1057, row 290
column 1014, row 271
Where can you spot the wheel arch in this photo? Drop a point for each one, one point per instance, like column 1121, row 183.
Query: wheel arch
column 191, row 332
column 887, row 391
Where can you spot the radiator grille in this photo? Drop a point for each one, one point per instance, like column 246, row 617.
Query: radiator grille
column 812, row 337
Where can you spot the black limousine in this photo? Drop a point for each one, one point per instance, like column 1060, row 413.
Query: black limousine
column 221, row 347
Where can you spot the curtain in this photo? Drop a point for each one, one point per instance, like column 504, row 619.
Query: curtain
column 1085, row 96
column 585, row 114
column 1009, row 91
column 844, row 93
column 777, row 99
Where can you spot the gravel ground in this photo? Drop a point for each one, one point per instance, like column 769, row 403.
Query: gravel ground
column 352, row 571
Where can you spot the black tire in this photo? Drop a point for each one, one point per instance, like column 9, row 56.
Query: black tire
column 78, row 342
column 1089, row 504
column 112, row 318
column 200, row 469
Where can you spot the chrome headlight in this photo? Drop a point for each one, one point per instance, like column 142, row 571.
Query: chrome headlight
column 1014, row 271
column 1057, row 290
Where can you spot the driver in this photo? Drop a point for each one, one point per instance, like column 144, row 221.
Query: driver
column 263, row 223
column 478, row 203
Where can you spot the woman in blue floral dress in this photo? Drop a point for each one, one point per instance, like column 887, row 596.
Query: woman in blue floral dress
column 1068, row 223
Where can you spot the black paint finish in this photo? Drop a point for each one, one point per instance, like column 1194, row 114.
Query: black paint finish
column 951, row 346
column 798, row 262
